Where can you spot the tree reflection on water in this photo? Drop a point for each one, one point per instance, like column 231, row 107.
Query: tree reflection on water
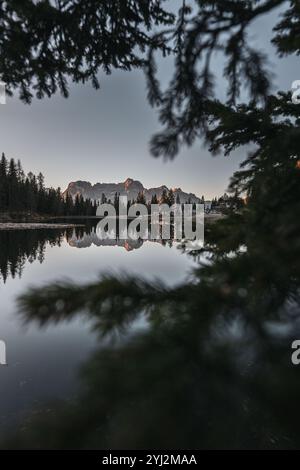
column 212, row 369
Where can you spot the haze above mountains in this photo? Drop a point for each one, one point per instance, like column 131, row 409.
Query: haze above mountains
column 130, row 188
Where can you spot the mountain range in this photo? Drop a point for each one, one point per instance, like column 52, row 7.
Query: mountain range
column 130, row 188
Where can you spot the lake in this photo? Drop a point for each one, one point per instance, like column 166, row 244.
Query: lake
column 42, row 364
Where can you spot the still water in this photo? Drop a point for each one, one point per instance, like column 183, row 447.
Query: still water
column 42, row 364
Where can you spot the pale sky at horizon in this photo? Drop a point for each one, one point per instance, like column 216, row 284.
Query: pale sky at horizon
column 103, row 136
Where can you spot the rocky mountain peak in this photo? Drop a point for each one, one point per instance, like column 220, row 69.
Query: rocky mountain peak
column 130, row 188
column 130, row 183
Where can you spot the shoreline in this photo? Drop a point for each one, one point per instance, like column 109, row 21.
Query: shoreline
column 34, row 226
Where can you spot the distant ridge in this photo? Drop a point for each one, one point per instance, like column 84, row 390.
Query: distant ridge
column 131, row 188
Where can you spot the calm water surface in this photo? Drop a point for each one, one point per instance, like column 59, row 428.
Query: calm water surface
column 42, row 364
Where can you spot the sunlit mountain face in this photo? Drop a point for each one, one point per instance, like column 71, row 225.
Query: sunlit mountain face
column 130, row 188
column 25, row 247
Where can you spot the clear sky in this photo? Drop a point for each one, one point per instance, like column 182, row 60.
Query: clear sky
column 103, row 136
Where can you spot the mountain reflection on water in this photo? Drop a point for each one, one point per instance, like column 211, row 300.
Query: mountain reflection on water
column 86, row 240
column 20, row 246
column 212, row 370
column 43, row 364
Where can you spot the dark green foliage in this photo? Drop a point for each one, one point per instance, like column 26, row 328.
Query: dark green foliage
column 164, row 197
column 287, row 39
column 171, row 197
column 187, row 107
column 19, row 246
column 141, row 198
column 16, row 247
column 45, row 44
column 27, row 194
column 212, row 368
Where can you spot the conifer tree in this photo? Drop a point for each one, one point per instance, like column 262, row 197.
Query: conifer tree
column 171, row 197
column 217, row 347
column 141, row 198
